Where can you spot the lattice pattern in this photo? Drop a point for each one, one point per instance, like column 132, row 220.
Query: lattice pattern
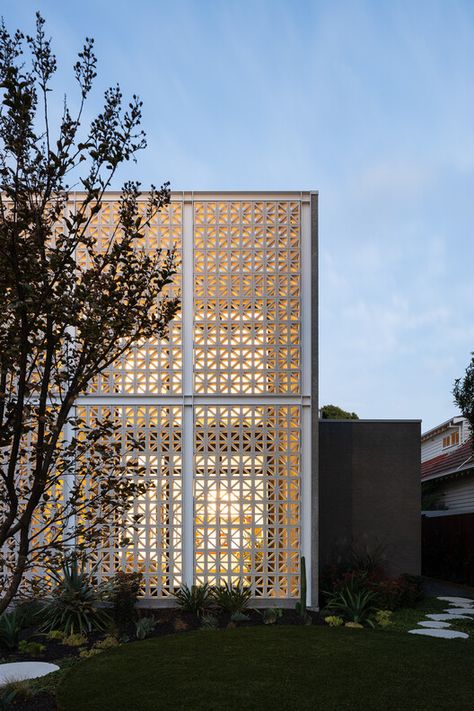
column 247, row 297
column 42, row 535
column 246, row 342
column 247, row 492
column 153, row 367
column 151, row 438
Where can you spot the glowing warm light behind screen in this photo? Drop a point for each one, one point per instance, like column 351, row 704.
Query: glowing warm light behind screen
column 246, row 324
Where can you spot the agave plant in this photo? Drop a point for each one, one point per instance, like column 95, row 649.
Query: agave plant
column 231, row 599
column 74, row 604
column 356, row 605
column 209, row 622
column 196, row 599
column 144, row 627
column 29, row 611
column 271, row 615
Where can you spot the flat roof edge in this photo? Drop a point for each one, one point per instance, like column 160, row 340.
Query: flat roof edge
column 209, row 193
column 325, row 419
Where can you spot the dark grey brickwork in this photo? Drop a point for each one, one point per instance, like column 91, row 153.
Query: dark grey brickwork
column 369, row 489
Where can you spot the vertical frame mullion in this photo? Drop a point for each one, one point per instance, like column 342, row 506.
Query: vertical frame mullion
column 187, row 302
column 306, row 379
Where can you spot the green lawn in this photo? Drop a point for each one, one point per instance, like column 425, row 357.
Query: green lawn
column 291, row 668
column 407, row 617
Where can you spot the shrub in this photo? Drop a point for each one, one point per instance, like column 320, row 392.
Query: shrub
column 108, row 642
column 333, row 621
column 7, row 697
column 368, row 560
column 125, row 589
column 415, row 591
column 56, row 635
column 180, row 625
column 231, row 599
column 239, row 617
column 29, row 612
column 335, row 579
column 145, row 627
column 209, row 622
column 383, row 617
column 74, row 605
column 404, row 591
column 355, row 605
column 13, row 691
column 10, row 628
column 364, row 572
column 196, row 599
column 32, row 649
column 356, row 565
column 75, row 640
column 271, row 615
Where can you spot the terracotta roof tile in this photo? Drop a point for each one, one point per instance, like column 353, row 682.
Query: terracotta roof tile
column 449, row 461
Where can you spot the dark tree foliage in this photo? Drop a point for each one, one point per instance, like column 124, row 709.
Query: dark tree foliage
column 63, row 321
column 333, row 412
column 463, row 393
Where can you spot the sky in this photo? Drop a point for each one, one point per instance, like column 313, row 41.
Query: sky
column 369, row 102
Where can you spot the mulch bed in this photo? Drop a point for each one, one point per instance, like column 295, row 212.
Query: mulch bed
column 168, row 621
column 42, row 701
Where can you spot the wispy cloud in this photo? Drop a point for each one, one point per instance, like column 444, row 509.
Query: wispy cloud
column 370, row 102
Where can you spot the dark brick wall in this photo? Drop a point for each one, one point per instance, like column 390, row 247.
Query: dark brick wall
column 369, row 490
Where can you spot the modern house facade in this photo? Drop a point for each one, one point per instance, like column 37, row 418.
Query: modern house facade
column 221, row 420
column 226, row 410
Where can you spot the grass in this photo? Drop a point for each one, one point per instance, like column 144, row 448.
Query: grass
column 276, row 667
column 407, row 618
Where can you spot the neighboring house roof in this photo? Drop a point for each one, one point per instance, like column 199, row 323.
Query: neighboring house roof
column 452, row 422
column 454, row 462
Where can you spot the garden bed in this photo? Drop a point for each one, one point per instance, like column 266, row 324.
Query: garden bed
column 168, row 621
column 84, row 620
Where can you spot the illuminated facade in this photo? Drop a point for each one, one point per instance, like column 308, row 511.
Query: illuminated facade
column 225, row 412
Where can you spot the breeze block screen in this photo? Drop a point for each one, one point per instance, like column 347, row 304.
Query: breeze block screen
column 217, row 417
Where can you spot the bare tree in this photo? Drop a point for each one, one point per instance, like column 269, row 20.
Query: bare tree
column 63, row 320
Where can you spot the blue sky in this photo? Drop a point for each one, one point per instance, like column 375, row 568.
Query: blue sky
column 372, row 104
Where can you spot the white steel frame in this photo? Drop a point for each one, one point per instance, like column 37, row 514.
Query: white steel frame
column 189, row 399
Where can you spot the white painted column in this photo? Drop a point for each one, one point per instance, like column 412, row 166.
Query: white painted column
column 188, row 438
column 306, row 428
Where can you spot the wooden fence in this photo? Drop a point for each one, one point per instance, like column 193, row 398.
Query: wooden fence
column 448, row 547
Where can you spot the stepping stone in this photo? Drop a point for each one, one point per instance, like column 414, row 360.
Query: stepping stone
column 446, row 617
column 17, row 671
column 457, row 600
column 460, row 611
column 432, row 624
column 445, row 634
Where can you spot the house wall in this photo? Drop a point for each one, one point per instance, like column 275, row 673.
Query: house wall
column 369, row 490
column 433, row 446
column 458, row 494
